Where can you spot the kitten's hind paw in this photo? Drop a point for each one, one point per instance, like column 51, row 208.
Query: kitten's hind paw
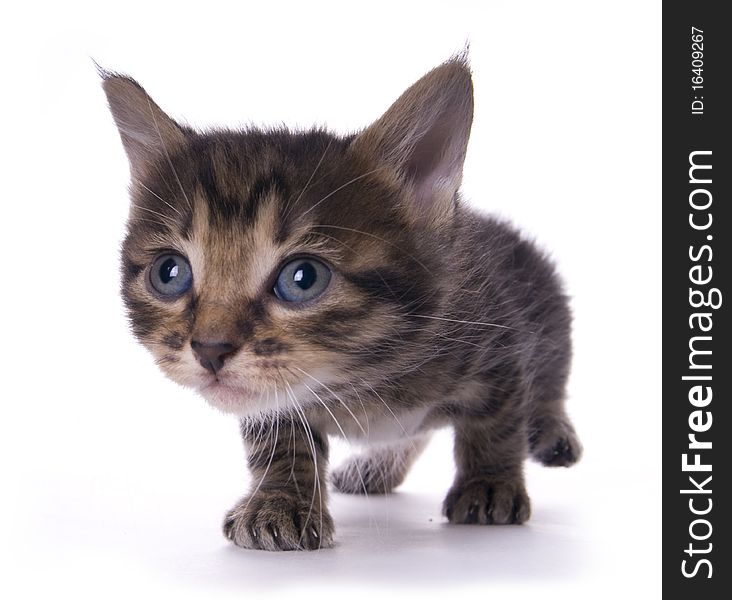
column 367, row 475
column 487, row 502
column 556, row 445
column 278, row 521
column 380, row 469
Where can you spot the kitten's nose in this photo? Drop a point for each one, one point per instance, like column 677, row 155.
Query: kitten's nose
column 211, row 355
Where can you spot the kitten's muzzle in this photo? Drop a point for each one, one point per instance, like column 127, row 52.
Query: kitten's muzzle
column 212, row 355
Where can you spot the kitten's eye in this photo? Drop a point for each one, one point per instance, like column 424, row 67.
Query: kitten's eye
column 301, row 280
column 171, row 275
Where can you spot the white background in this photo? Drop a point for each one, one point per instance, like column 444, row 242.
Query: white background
column 115, row 480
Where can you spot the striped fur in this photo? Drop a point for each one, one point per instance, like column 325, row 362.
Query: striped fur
column 434, row 315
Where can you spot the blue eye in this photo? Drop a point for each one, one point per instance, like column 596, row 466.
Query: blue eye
column 171, row 275
column 301, row 280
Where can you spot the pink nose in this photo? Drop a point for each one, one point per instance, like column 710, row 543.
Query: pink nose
column 212, row 355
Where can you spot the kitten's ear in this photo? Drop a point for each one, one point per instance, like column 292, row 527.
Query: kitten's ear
column 424, row 136
column 147, row 132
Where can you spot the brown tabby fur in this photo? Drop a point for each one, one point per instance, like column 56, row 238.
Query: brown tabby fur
column 434, row 315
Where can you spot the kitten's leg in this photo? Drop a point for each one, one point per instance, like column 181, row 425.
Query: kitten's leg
column 552, row 438
column 489, row 485
column 380, row 469
column 286, row 509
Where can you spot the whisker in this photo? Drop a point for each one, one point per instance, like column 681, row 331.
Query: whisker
column 269, row 463
column 159, row 197
column 293, row 443
column 335, row 396
column 317, row 485
column 363, row 408
column 145, row 220
column 161, row 215
column 342, row 243
column 387, row 406
column 338, row 189
column 165, row 151
column 291, row 206
column 376, row 237
column 461, row 321
column 343, row 433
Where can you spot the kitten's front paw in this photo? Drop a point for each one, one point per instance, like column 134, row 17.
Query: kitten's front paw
column 279, row 521
column 487, row 502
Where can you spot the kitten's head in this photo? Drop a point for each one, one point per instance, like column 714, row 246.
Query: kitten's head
column 261, row 266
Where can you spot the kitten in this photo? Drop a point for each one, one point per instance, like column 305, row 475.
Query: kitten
column 315, row 285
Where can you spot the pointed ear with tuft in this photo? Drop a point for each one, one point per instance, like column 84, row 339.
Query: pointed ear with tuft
column 424, row 137
column 147, row 133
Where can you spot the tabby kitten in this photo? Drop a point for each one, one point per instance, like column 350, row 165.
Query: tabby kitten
column 314, row 284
